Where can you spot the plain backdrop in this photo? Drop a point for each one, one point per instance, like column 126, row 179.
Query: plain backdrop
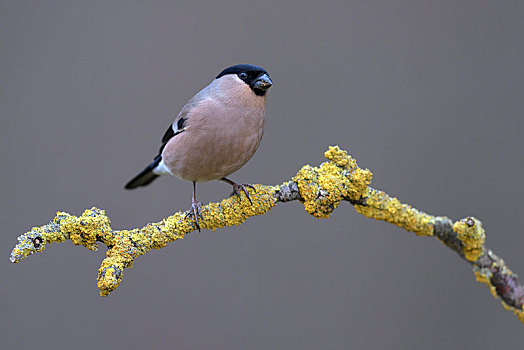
column 429, row 95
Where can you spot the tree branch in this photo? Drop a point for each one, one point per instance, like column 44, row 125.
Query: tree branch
column 321, row 189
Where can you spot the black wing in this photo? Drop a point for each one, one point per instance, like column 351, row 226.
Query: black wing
column 170, row 132
column 147, row 176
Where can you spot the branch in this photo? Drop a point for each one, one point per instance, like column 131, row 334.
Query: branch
column 321, row 189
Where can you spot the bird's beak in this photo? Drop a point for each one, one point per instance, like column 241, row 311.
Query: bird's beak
column 263, row 82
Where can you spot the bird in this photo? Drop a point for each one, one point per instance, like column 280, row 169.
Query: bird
column 215, row 133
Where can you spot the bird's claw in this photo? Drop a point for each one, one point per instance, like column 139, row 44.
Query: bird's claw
column 195, row 212
column 238, row 187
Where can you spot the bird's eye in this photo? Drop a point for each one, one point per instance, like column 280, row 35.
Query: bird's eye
column 242, row 75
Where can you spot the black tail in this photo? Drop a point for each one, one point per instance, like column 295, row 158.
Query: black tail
column 145, row 177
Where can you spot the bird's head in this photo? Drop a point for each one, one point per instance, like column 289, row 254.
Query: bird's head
column 257, row 78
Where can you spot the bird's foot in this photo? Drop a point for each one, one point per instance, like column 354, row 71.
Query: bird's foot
column 242, row 187
column 239, row 187
column 195, row 212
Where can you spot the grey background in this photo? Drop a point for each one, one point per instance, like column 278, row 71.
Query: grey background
column 427, row 94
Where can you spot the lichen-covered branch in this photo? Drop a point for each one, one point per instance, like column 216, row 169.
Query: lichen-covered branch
column 321, row 189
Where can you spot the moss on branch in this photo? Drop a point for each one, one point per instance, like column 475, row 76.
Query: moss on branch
column 321, row 189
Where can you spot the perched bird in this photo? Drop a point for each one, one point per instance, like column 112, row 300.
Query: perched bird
column 215, row 134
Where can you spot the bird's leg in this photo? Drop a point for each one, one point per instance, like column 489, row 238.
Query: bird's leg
column 238, row 187
column 195, row 207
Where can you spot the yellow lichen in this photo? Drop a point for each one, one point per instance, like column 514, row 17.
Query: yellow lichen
column 234, row 211
column 470, row 232
column 318, row 189
column 484, row 277
column 360, row 180
column 380, row 206
column 340, row 157
column 323, row 188
column 109, row 276
column 520, row 314
column 86, row 229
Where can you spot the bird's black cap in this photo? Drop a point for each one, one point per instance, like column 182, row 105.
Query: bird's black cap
column 243, row 68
